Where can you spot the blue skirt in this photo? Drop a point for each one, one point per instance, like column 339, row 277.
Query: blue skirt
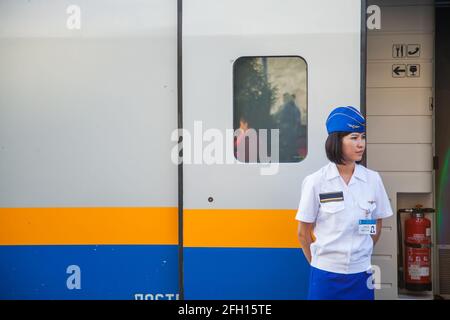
column 324, row 285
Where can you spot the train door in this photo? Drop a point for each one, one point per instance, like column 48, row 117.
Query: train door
column 251, row 66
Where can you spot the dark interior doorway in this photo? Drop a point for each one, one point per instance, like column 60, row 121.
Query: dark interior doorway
column 442, row 134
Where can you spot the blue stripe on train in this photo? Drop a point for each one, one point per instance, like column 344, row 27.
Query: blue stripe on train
column 239, row 273
column 107, row 271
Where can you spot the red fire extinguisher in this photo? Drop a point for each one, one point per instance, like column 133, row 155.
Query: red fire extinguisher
column 418, row 251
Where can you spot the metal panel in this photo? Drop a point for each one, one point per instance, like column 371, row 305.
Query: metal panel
column 381, row 47
column 420, row 182
column 401, row 157
column 399, row 129
column 405, row 18
column 390, row 101
column 380, row 75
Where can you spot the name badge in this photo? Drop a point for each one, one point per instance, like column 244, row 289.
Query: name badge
column 367, row 226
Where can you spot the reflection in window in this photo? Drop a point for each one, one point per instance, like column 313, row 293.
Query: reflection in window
column 270, row 93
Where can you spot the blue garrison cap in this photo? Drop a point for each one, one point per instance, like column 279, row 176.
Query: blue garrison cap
column 346, row 119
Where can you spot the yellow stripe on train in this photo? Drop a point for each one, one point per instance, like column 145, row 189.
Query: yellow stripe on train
column 241, row 228
column 84, row 226
column 245, row 228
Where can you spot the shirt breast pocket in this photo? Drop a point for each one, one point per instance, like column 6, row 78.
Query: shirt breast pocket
column 332, row 207
column 331, row 217
column 367, row 207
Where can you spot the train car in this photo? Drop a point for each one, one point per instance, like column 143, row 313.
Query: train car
column 120, row 176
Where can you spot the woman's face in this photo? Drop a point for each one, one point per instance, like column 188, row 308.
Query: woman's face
column 353, row 146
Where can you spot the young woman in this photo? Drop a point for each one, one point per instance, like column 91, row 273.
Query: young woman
column 342, row 204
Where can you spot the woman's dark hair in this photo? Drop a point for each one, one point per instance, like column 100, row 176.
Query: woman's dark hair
column 333, row 147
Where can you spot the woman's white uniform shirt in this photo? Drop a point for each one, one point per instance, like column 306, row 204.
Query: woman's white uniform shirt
column 338, row 246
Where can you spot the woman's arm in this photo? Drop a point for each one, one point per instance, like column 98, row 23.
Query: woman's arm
column 375, row 237
column 305, row 238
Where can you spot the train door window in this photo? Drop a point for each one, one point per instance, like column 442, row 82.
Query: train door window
column 270, row 109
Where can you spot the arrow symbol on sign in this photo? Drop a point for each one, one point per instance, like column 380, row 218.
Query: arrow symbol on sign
column 398, row 70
